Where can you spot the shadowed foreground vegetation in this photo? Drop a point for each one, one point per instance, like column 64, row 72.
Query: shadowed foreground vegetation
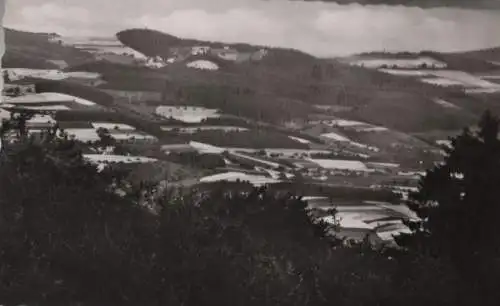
column 67, row 238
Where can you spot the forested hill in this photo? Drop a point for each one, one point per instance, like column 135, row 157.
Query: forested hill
column 289, row 83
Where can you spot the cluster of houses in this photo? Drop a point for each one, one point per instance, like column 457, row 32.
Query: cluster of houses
column 225, row 53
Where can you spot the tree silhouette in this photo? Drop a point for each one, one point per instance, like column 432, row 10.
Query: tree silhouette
column 17, row 91
column 459, row 203
column 105, row 138
column 6, row 77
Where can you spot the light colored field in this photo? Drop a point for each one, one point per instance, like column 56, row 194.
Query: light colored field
column 48, row 74
column 346, row 123
column 82, row 75
column 363, row 146
column 445, row 104
column 385, row 165
column 442, row 82
column 466, row 78
column 4, row 114
column 188, row 114
column 375, row 63
column 343, row 139
column 405, row 188
column 394, row 230
column 47, row 97
column 131, row 136
column 100, row 46
column 105, row 158
column 350, row 125
column 284, row 152
column 192, row 130
column 341, row 164
column 335, row 137
column 445, row 143
column 91, row 135
column 448, row 78
column 38, row 122
column 203, row 65
column 333, row 108
column 258, row 160
column 83, row 134
column 412, row 174
column 207, row 148
column 298, row 139
column 401, row 72
column 339, row 123
column 255, row 180
column 46, row 107
column 482, row 90
column 383, row 219
column 491, row 77
column 372, row 129
column 112, row 126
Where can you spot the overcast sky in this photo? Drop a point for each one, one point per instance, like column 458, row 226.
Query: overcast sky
column 323, row 29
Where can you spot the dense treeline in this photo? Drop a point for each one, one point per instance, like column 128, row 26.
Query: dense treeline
column 197, row 160
column 243, row 101
column 66, row 238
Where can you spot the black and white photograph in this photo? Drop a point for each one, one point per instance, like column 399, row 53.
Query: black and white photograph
column 250, row 153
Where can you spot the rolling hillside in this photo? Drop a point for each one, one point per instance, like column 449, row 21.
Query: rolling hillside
column 296, row 81
column 35, row 50
column 277, row 87
column 492, row 55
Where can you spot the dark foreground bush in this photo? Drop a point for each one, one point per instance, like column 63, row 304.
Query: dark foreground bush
column 66, row 238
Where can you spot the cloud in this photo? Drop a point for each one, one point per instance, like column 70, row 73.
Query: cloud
column 233, row 25
column 477, row 4
column 322, row 29
column 51, row 17
column 55, row 13
column 337, row 30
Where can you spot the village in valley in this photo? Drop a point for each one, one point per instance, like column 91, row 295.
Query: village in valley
column 188, row 113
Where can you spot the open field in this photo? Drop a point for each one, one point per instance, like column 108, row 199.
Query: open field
column 447, row 78
column 239, row 177
column 48, row 74
column 400, row 63
column 187, row 113
column 104, row 158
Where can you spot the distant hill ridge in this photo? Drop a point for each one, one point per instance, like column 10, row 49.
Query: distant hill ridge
column 153, row 43
column 284, row 85
column 470, row 61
